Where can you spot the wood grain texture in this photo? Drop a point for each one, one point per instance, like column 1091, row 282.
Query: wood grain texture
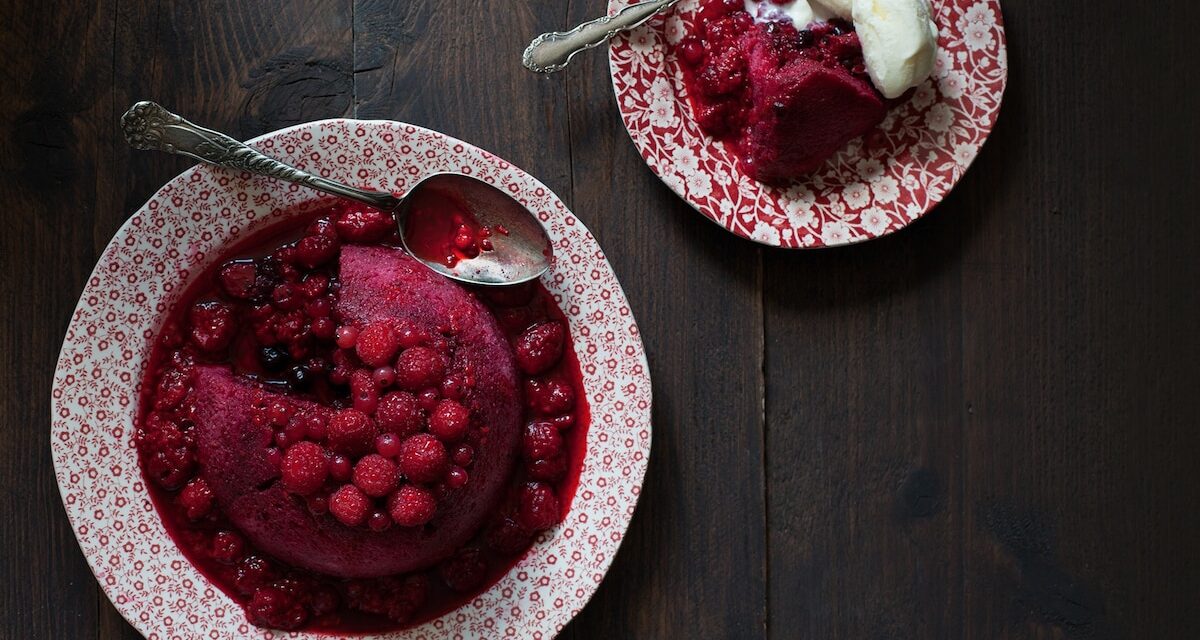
column 1080, row 347
column 863, row 436
column 981, row 427
column 55, row 144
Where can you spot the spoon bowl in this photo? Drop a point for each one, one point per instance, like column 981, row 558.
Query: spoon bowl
column 503, row 243
column 442, row 204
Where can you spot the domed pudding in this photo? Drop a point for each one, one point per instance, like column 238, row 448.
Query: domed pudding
column 343, row 440
column 380, row 287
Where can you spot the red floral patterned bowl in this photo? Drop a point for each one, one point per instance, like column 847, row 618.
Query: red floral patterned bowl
column 179, row 232
column 872, row 187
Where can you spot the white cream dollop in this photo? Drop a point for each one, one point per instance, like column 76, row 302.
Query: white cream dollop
column 899, row 42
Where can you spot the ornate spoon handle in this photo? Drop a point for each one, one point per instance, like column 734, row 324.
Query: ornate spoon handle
column 551, row 52
column 148, row 125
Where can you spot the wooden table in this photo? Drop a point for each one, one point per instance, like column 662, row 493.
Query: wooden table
column 979, row 427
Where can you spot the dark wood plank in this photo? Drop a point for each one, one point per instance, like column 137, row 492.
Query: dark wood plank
column 1080, row 347
column 863, row 435
column 694, row 562
column 54, row 151
column 456, row 67
column 241, row 68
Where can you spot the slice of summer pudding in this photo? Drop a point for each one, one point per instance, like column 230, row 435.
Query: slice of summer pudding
column 787, row 96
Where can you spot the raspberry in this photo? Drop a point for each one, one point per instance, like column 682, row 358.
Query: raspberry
column 542, row 441
column 412, row 506
column 396, row 598
column 279, row 412
column 418, row 368
column 312, row 287
column 547, row 470
column 304, row 468
column 449, row 421
column 212, row 326
column 275, row 608
column 351, row 432
column 227, row 547
column 399, row 413
column 314, row 425
column 375, row 475
column 549, row 396
column 465, row 570
column 297, row 428
column 540, row 347
column 423, row 458
column 196, row 498
column 314, row 251
column 321, row 227
column 252, row 572
column 377, row 344
column 364, row 225
column 322, row 328
column 286, row 298
column 539, row 507
column 564, row 422
column 169, row 458
column 507, row 537
column 173, row 387
column 349, row 505
column 410, row 334
column 239, row 280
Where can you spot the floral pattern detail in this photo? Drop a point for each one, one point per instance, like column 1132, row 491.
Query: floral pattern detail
column 874, row 186
column 177, row 234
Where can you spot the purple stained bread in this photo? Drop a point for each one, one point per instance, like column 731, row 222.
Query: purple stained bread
column 378, row 284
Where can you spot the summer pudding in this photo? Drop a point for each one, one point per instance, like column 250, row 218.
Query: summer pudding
column 789, row 84
column 343, row 440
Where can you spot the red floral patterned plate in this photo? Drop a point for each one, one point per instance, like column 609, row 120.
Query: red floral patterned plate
column 178, row 233
column 872, row 187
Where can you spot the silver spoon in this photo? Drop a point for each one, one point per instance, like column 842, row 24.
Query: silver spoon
column 521, row 249
column 551, row 52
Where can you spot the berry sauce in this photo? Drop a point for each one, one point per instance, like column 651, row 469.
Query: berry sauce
column 439, row 228
column 372, row 455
